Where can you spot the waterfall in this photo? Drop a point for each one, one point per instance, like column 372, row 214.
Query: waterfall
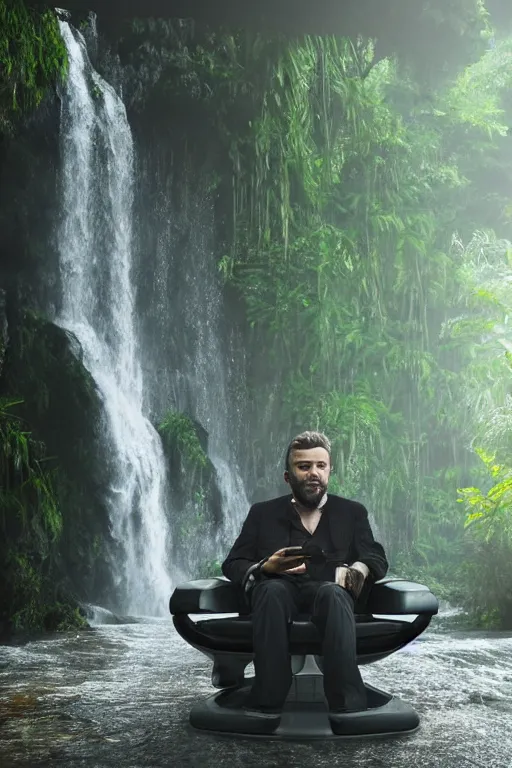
column 212, row 407
column 206, row 371
column 97, row 306
column 183, row 290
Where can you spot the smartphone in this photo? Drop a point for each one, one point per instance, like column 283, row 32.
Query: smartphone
column 294, row 552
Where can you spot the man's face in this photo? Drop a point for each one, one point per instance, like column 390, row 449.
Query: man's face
column 309, row 475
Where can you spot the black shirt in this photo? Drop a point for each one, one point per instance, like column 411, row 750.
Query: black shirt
column 299, row 535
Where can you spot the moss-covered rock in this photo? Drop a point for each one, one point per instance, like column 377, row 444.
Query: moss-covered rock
column 55, row 549
column 194, row 484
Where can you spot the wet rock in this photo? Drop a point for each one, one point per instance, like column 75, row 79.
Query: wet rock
column 477, row 697
column 98, row 615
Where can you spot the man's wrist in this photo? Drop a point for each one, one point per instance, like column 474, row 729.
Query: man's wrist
column 362, row 568
column 338, row 572
column 252, row 574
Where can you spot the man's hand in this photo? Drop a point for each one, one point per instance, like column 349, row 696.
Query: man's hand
column 298, row 569
column 351, row 579
column 279, row 563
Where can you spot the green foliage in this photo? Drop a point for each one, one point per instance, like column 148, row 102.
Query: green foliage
column 28, row 498
column 193, row 483
column 179, row 431
column 490, row 514
column 487, row 574
column 31, row 525
column 32, row 58
column 209, row 569
column 351, row 191
column 476, row 98
column 194, row 522
column 54, row 530
column 336, row 252
column 444, row 578
column 489, row 530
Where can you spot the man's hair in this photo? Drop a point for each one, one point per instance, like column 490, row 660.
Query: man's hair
column 304, row 442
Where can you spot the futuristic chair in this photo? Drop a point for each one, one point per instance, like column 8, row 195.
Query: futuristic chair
column 395, row 613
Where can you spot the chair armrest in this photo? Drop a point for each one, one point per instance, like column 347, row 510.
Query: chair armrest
column 215, row 595
column 397, row 596
column 218, row 595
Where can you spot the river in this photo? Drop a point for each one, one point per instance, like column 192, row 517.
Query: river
column 119, row 695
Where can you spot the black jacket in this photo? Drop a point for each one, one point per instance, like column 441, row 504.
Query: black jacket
column 267, row 529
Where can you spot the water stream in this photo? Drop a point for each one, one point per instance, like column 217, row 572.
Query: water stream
column 120, row 696
column 97, row 306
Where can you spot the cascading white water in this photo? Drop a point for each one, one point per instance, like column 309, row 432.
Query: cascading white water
column 95, row 251
column 212, row 407
column 201, row 385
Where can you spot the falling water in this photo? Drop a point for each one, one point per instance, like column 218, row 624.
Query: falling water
column 208, row 377
column 95, row 248
column 200, row 385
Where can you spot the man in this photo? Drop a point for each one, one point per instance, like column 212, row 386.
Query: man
column 344, row 558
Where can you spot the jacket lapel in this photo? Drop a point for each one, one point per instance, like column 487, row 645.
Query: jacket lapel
column 278, row 530
column 340, row 526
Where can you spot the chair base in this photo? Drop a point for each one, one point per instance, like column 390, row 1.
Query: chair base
column 305, row 716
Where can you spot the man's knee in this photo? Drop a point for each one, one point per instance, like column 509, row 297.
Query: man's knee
column 331, row 593
column 270, row 590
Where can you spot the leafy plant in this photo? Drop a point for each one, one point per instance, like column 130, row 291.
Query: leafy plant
column 32, row 58
column 179, row 431
column 351, row 190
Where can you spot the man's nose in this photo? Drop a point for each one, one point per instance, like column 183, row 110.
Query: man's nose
column 314, row 472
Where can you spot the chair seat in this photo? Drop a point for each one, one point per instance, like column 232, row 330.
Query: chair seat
column 376, row 637
column 302, row 630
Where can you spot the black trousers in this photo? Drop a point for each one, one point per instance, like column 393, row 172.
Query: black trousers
column 274, row 603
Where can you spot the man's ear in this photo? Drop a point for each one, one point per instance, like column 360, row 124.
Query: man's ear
column 286, row 476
